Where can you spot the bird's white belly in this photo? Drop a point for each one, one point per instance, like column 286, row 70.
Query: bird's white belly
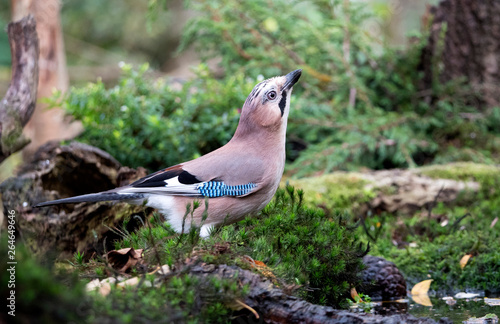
column 166, row 206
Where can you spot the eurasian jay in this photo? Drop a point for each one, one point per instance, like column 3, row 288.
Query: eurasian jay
column 239, row 178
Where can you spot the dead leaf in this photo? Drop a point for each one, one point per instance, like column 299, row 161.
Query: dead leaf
column 259, row 263
column 259, row 266
column 419, row 293
column 124, row 259
column 422, row 287
column 422, row 300
column 355, row 296
column 464, row 260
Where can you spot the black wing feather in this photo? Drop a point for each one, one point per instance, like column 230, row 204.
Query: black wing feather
column 158, row 179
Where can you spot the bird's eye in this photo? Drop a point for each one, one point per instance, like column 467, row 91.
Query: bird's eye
column 271, row 95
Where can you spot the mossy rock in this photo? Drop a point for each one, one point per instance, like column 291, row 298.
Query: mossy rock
column 340, row 190
column 460, row 171
column 405, row 191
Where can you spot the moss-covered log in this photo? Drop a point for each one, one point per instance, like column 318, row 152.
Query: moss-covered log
column 275, row 306
column 63, row 171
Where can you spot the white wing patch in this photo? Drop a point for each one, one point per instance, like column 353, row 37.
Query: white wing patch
column 209, row 189
column 172, row 187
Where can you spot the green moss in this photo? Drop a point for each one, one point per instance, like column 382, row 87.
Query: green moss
column 464, row 227
column 42, row 294
column 303, row 246
column 12, row 139
column 463, row 171
column 439, row 260
column 335, row 191
column 182, row 298
column 299, row 244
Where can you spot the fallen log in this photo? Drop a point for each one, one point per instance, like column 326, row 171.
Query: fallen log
column 63, row 171
column 274, row 306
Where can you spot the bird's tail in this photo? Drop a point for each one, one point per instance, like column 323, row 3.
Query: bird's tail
column 96, row 197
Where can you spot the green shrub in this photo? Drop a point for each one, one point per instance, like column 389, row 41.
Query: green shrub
column 392, row 122
column 304, row 247
column 150, row 123
column 359, row 103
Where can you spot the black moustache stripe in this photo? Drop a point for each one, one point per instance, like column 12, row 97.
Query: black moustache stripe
column 282, row 103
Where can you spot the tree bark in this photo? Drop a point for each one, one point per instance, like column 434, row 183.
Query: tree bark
column 19, row 103
column 465, row 42
column 47, row 124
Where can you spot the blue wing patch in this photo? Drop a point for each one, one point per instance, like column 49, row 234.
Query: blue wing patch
column 213, row 189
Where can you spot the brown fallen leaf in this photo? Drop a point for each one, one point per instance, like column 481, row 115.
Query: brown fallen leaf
column 124, row 259
column 259, row 266
column 259, row 263
column 355, row 296
column 419, row 293
column 464, row 260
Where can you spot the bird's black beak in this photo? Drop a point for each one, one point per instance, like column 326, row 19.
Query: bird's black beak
column 291, row 79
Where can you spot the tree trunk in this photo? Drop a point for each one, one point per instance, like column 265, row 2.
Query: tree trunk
column 465, row 42
column 18, row 104
column 46, row 124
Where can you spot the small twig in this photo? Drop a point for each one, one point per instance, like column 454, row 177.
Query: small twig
column 247, row 307
column 455, row 224
column 429, row 209
column 366, row 230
